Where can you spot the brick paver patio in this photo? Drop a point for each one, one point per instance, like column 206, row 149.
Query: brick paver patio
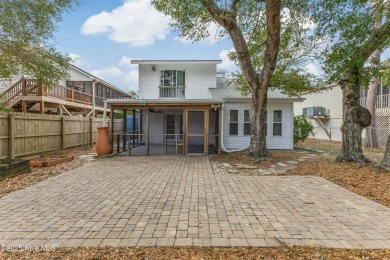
column 169, row 200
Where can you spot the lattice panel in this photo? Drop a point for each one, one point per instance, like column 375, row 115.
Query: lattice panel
column 382, row 126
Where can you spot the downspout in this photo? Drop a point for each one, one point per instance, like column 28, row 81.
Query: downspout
column 222, row 145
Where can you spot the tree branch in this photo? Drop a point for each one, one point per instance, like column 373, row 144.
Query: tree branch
column 376, row 40
column 273, row 40
column 233, row 7
column 229, row 22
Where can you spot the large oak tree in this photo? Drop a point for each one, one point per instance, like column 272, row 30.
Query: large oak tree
column 261, row 32
column 354, row 34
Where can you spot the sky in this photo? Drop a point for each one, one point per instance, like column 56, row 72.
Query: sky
column 102, row 37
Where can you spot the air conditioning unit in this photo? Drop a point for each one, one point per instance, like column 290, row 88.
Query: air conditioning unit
column 315, row 111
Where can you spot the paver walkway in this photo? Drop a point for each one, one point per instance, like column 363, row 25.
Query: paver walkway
column 169, row 200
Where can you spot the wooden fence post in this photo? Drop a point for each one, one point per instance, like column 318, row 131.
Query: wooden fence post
column 91, row 130
column 63, row 132
column 11, row 134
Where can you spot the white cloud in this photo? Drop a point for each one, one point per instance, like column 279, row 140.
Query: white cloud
column 213, row 37
column 311, row 68
column 76, row 59
column 108, row 72
column 227, row 64
column 135, row 22
column 123, row 75
column 131, row 79
column 126, row 62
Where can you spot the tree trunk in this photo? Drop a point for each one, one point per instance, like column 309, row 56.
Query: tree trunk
column 371, row 134
column 355, row 119
column 258, row 146
column 258, row 83
column 385, row 163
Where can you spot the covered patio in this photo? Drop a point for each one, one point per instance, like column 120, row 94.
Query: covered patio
column 166, row 126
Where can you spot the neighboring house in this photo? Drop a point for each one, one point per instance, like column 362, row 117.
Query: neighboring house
column 81, row 93
column 324, row 109
column 327, row 122
column 188, row 104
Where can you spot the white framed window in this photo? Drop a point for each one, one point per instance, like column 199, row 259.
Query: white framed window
column 173, row 78
column 247, row 123
column 277, row 123
column 233, row 122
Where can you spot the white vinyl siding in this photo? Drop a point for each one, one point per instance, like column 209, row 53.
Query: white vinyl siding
column 198, row 79
column 241, row 141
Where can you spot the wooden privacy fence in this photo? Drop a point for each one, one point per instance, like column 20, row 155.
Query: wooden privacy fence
column 26, row 133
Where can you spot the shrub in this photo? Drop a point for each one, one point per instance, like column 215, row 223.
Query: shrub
column 302, row 128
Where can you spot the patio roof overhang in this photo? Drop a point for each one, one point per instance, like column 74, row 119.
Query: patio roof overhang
column 163, row 103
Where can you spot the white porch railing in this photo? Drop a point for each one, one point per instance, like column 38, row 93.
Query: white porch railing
column 382, row 101
column 172, row 92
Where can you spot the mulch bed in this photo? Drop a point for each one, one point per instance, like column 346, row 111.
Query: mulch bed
column 363, row 181
column 333, row 148
column 199, row 253
column 39, row 174
column 244, row 158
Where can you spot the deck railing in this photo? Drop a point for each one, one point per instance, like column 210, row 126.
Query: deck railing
column 382, row 101
column 172, row 92
column 27, row 87
column 22, row 87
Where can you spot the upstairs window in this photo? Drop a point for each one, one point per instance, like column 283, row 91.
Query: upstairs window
column 173, row 78
column 277, row 126
column 233, row 123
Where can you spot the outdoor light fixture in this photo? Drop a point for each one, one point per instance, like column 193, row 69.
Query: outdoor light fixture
column 215, row 107
column 153, row 68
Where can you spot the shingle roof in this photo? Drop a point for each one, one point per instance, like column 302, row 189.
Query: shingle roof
column 228, row 91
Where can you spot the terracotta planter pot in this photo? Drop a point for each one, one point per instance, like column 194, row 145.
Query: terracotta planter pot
column 103, row 145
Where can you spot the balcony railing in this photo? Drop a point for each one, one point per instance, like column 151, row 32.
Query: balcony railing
column 172, row 92
column 382, row 101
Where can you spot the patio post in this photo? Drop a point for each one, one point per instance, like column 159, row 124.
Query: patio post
column 112, row 129
column 140, row 126
column 147, row 130
column 206, row 132
column 185, row 124
column 219, row 130
column 133, row 136
column 124, row 130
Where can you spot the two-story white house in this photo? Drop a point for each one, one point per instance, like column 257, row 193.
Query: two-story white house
column 188, row 107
